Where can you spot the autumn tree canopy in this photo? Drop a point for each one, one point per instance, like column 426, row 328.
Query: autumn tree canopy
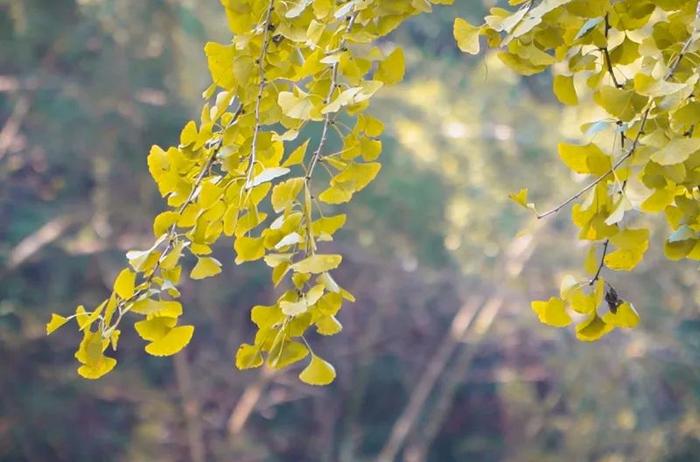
column 249, row 170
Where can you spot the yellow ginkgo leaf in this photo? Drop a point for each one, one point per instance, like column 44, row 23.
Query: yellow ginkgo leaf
column 125, row 283
column 359, row 175
column 317, row 264
column 205, row 267
column 318, row 372
column 631, row 245
column 520, row 198
column 391, row 70
column 266, row 316
column 625, row 316
column 297, row 156
column 623, row 104
column 85, row 320
column 552, row 312
column 564, row 90
column 659, row 199
column 249, row 249
column 267, row 175
column 81, row 317
column 328, row 325
column 580, row 301
column 163, row 222
column 285, row 193
column 98, row 369
column 329, row 304
column 588, row 158
column 114, row 338
column 591, row 263
column 294, row 308
column 189, row 133
column 296, row 107
column 248, row 357
column 174, row 341
column 592, row 329
column 676, row 151
column 56, row 321
column 286, row 354
column 154, row 328
column 467, row 36
column 327, row 226
column 335, row 195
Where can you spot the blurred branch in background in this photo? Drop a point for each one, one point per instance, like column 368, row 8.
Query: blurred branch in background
column 32, row 244
column 191, row 408
column 469, row 326
column 11, row 127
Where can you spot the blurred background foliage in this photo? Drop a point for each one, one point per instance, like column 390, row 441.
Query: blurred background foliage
column 441, row 358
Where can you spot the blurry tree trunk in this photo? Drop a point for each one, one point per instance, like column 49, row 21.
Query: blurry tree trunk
column 517, row 254
column 426, row 383
column 191, row 408
column 245, row 405
column 32, row 244
column 418, row 451
column 366, row 336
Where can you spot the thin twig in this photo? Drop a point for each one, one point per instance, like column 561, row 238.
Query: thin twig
column 327, row 118
column 635, row 143
column 606, row 53
column 261, row 89
column 601, row 264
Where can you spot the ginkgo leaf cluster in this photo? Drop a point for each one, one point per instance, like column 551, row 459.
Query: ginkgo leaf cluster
column 636, row 62
column 243, row 173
